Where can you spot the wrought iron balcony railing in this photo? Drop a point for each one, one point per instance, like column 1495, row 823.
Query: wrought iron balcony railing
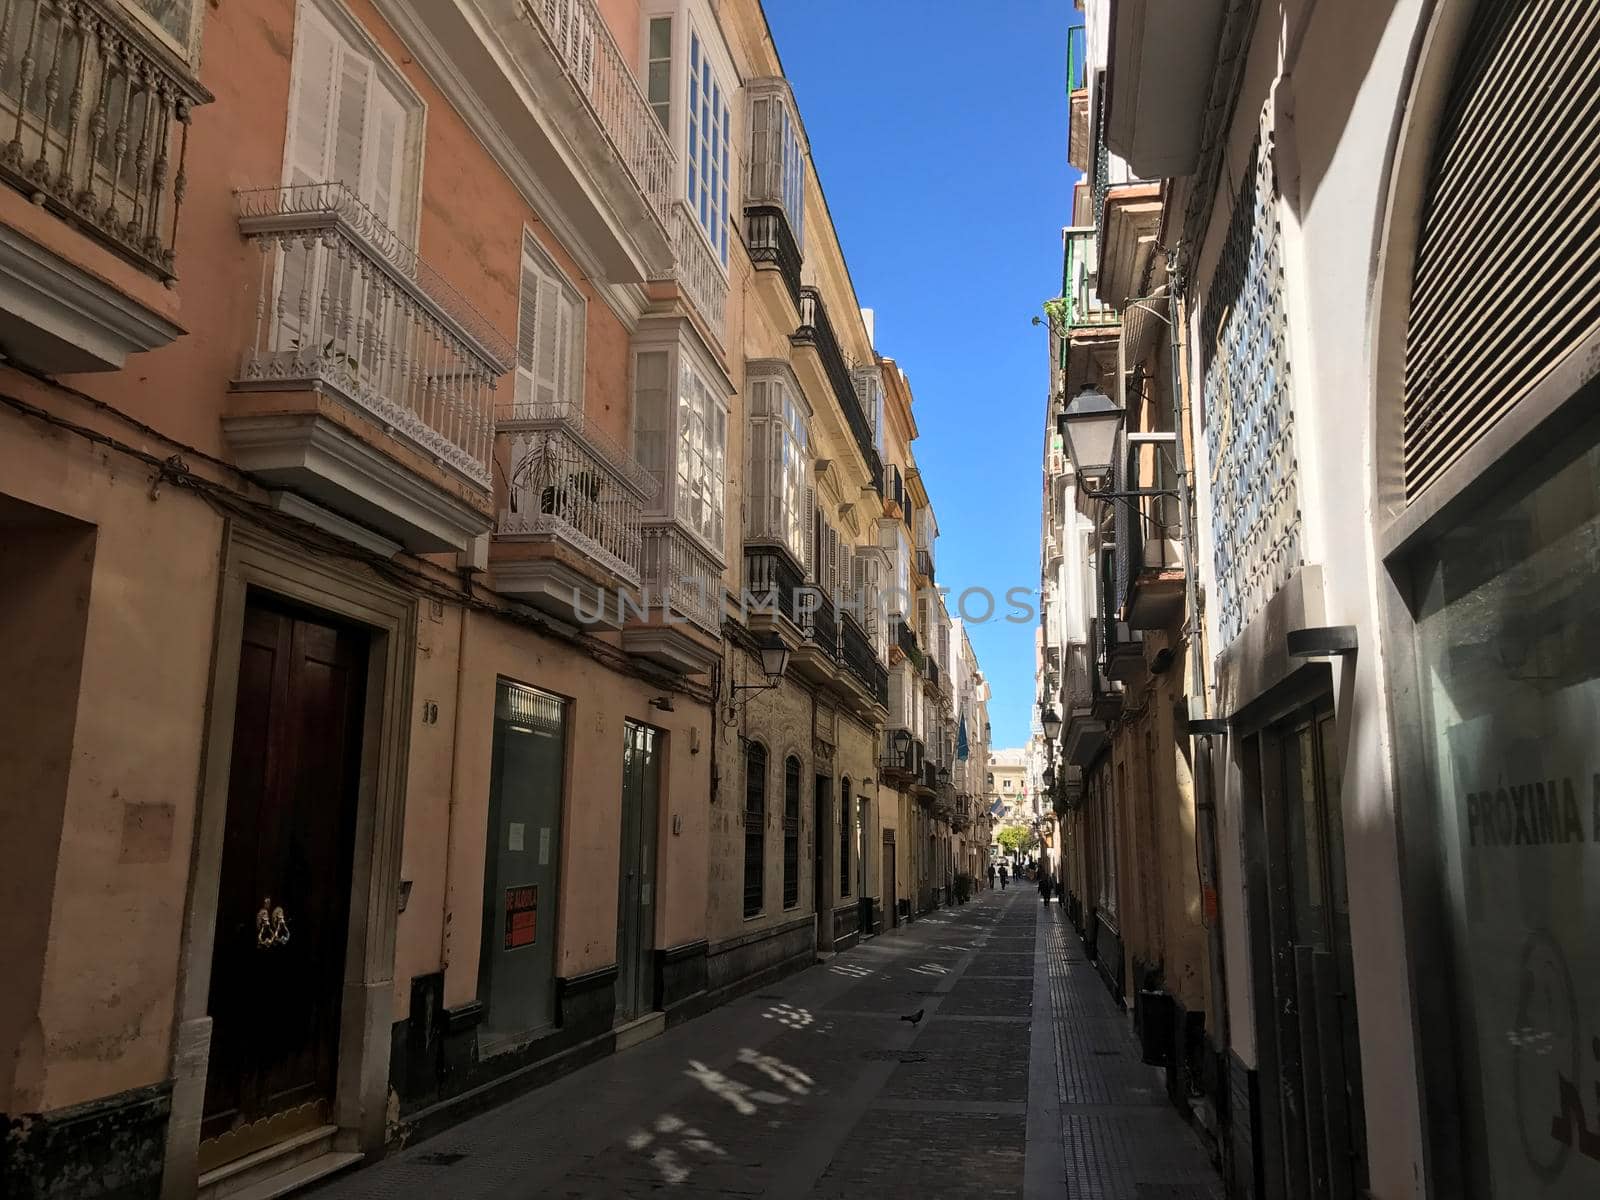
column 820, row 625
column 816, row 330
column 580, row 38
column 563, row 489
column 772, row 578
column 906, row 639
column 894, row 486
column 770, row 240
column 894, row 759
column 677, row 568
column 855, row 649
column 344, row 301
column 98, row 123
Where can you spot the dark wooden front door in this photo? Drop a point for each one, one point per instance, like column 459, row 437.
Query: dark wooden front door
column 891, row 910
column 283, row 903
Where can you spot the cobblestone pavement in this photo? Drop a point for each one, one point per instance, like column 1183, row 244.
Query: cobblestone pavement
column 814, row 1087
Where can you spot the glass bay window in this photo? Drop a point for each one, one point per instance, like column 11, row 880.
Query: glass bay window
column 680, row 434
column 777, row 153
column 778, row 461
column 690, row 82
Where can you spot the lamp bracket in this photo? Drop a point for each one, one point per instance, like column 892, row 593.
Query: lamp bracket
column 1321, row 642
column 1129, row 493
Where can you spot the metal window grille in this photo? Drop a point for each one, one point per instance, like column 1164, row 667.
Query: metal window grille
column 755, row 828
column 791, row 832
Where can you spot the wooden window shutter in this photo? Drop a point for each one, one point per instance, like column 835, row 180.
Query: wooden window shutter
column 350, row 128
column 813, row 532
column 832, row 580
column 547, row 330
column 315, row 61
column 527, row 330
column 386, row 149
column 1506, row 282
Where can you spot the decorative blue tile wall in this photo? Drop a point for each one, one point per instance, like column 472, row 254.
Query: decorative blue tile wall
column 1247, row 412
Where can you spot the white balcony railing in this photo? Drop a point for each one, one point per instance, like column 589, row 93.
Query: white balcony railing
column 344, row 301
column 527, row 415
column 678, row 570
column 563, row 489
column 578, row 35
column 695, row 268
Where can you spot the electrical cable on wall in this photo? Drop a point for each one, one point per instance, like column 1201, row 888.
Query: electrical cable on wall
column 174, row 470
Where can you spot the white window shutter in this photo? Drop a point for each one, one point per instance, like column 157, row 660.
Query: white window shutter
column 758, row 481
column 563, row 348
column 547, row 333
column 718, row 471
column 312, row 103
column 386, row 152
column 833, row 561
column 527, row 331
column 350, row 129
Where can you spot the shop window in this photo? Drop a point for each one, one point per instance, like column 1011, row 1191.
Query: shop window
column 1509, row 655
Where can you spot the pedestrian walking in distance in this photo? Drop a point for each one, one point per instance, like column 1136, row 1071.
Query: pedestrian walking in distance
column 991, row 877
column 1002, row 877
column 1045, row 884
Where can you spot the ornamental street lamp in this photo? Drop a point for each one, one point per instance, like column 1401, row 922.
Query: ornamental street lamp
column 1090, row 427
column 1050, row 720
column 902, row 748
column 774, row 662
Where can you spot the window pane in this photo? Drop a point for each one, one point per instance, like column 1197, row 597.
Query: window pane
column 660, row 38
column 1510, row 671
column 174, row 16
column 651, row 415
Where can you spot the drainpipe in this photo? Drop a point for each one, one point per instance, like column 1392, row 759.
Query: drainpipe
column 1206, row 862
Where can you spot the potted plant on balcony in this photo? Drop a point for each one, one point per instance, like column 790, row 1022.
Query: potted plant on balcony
column 562, row 499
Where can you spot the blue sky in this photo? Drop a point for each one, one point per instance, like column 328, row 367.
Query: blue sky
column 941, row 140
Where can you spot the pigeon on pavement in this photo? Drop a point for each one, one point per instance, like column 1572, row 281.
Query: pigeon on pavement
column 914, row 1017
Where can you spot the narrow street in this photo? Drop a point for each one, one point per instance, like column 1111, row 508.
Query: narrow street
column 814, row 1087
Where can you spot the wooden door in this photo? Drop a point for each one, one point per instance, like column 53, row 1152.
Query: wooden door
column 641, row 789
column 1301, row 906
column 891, row 910
column 283, row 903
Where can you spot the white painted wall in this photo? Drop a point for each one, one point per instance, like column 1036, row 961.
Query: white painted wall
column 1335, row 77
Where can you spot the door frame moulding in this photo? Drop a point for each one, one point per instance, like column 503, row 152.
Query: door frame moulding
column 255, row 561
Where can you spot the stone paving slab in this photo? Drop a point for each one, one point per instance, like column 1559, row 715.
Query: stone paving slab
column 1022, row 1079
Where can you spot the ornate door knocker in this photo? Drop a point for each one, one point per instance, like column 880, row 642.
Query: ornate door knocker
column 272, row 927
